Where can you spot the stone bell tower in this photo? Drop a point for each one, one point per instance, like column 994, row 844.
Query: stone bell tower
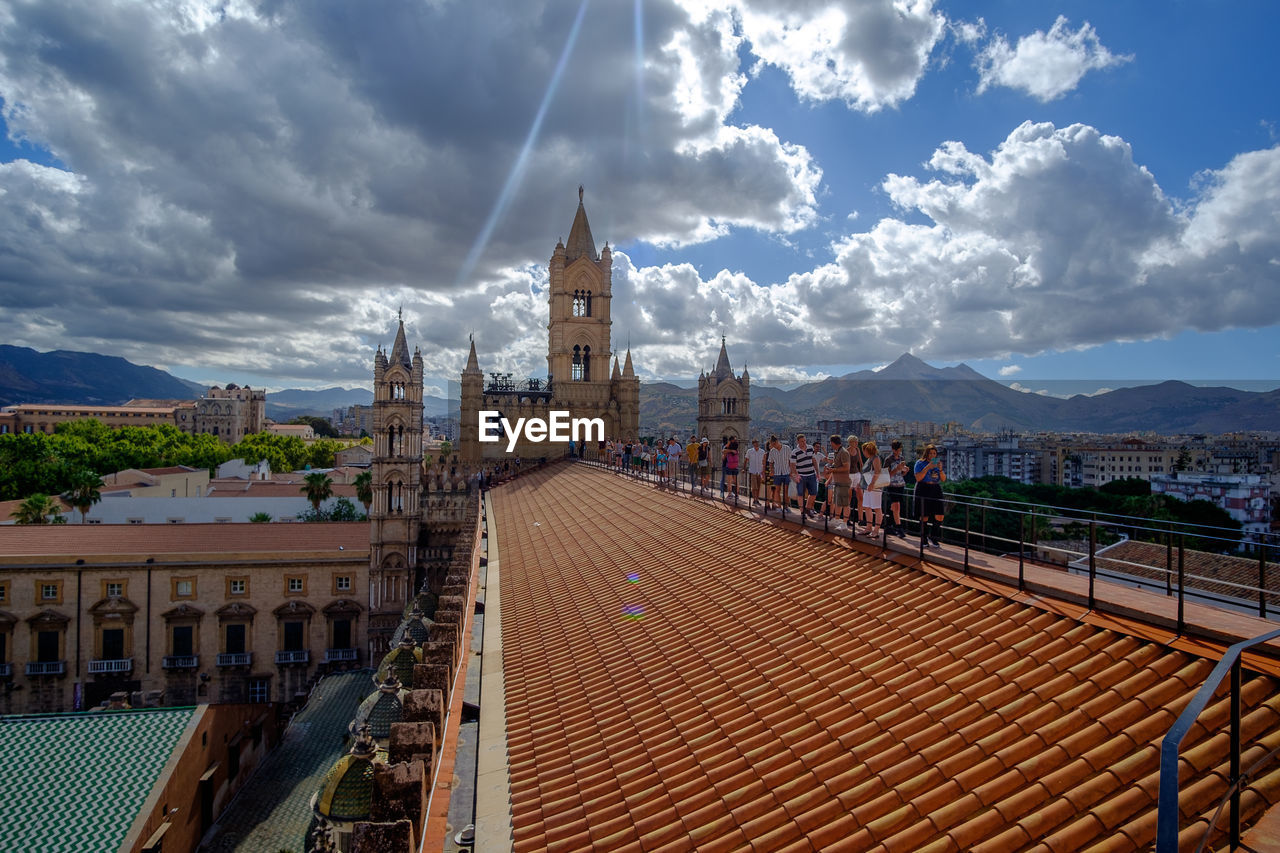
column 395, row 516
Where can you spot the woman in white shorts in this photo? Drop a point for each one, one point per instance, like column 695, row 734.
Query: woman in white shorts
column 873, row 478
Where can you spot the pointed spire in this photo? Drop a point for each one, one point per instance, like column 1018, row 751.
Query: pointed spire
column 627, row 370
column 581, row 243
column 723, row 371
column 473, row 364
column 400, row 349
column 617, row 374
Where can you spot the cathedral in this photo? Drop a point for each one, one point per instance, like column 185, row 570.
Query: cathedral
column 419, row 504
column 579, row 352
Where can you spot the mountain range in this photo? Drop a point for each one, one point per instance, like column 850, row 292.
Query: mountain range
column 906, row 390
column 911, row 390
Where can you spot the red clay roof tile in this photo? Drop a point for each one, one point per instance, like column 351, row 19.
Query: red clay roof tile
column 783, row 692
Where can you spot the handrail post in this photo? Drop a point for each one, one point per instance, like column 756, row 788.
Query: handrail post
column 1262, row 576
column 1182, row 589
column 1235, row 754
column 966, row 538
column 1168, row 561
column 1093, row 558
column 1022, row 535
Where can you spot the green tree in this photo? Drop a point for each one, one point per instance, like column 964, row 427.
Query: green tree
column 344, row 510
column 364, row 489
column 323, row 452
column 320, row 426
column 446, row 447
column 38, row 509
column 260, row 517
column 84, row 492
column 282, row 452
column 318, row 488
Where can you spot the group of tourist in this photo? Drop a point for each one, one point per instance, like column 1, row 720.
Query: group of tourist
column 850, row 482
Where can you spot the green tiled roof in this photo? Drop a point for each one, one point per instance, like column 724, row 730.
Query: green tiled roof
column 78, row 781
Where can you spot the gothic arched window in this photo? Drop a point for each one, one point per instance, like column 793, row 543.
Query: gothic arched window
column 576, row 375
column 586, row 359
column 587, row 305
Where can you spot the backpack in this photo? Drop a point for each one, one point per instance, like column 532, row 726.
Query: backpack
column 702, row 453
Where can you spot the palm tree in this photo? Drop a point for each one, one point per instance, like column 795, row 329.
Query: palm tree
column 317, row 487
column 260, row 517
column 38, row 509
column 364, row 489
column 84, row 492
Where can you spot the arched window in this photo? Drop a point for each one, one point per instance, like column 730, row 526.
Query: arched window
column 586, row 357
column 576, row 375
column 587, row 310
column 578, row 303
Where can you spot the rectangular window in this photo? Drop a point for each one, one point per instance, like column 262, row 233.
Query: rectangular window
column 4, row 647
column 259, row 690
column 113, row 644
column 47, row 646
column 93, row 521
column 51, row 592
column 295, row 584
column 293, row 637
column 183, row 640
column 184, row 587
column 135, row 521
column 342, row 633
column 4, row 592
column 115, row 589
column 237, row 586
column 235, row 639
column 342, row 583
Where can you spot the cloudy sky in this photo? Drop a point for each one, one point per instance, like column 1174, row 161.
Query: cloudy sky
column 248, row 191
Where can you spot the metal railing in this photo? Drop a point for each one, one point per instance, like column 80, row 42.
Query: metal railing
column 180, row 661
column 293, row 656
column 51, row 667
column 1167, row 815
column 336, row 655
column 235, row 658
column 1012, row 529
column 109, row 666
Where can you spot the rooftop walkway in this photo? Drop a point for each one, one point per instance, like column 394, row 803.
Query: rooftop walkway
column 681, row 677
column 273, row 811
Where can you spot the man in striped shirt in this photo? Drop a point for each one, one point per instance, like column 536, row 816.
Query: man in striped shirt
column 804, row 462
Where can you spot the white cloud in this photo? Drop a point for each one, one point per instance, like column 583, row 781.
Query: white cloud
column 868, row 53
column 1010, row 370
column 241, row 180
column 1044, row 65
column 1055, row 240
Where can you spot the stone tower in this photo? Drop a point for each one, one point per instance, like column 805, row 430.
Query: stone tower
column 395, row 517
column 580, row 293
column 724, row 405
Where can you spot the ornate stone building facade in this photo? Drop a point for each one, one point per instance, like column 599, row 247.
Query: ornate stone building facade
column 395, row 517
column 724, row 405
column 579, row 353
column 230, row 413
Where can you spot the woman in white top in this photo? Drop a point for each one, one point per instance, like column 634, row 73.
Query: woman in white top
column 873, row 478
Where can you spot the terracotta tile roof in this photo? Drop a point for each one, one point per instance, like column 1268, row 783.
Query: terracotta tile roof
column 122, row 540
column 1220, row 574
column 269, row 489
column 680, row 677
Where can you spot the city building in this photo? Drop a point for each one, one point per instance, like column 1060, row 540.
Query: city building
column 580, row 291
column 303, row 431
column 192, row 613
column 230, row 413
column 1245, row 497
column 135, row 780
column 965, row 459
